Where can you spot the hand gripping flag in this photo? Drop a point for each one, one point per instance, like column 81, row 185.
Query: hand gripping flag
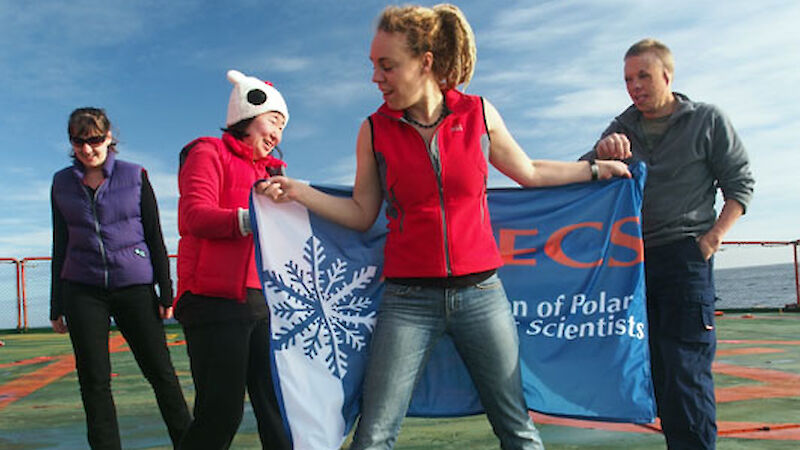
column 573, row 272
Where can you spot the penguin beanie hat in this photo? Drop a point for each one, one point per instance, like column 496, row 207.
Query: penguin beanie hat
column 251, row 97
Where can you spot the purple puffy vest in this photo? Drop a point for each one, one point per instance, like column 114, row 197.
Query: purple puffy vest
column 106, row 246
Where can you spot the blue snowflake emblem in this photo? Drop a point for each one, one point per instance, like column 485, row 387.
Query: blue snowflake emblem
column 321, row 307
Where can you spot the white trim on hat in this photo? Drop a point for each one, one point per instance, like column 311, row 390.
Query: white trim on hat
column 252, row 97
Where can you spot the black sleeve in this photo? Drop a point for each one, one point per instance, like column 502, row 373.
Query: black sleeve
column 155, row 242
column 60, row 237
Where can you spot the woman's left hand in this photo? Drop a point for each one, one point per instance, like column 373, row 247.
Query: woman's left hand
column 266, row 188
column 609, row 169
column 165, row 311
column 59, row 325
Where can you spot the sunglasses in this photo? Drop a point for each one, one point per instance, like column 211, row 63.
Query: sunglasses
column 94, row 141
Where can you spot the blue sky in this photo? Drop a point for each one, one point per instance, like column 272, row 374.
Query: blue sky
column 552, row 68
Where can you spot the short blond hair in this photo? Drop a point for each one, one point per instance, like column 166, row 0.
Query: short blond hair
column 655, row 47
column 442, row 30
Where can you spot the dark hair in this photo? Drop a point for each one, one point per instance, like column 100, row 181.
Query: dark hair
column 87, row 121
column 239, row 129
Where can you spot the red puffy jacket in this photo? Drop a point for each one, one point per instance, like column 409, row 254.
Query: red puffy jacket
column 214, row 180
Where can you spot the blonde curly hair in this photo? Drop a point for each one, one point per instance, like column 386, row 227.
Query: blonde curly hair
column 655, row 47
column 442, row 30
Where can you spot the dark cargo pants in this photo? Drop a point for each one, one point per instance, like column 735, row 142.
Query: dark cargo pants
column 680, row 309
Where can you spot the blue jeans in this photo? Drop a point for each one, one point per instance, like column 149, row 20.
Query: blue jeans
column 411, row 319
column 680, row 309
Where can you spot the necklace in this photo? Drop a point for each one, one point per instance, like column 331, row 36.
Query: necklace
column 413, row 121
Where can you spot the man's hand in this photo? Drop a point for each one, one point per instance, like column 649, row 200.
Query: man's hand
column 614, row 146
column 709, row 244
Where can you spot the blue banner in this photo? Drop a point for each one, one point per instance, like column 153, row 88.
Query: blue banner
column 573, row 272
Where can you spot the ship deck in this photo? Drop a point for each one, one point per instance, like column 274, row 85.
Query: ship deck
column 757, row 375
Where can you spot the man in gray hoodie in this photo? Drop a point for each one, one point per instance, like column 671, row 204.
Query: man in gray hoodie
column 690, row 150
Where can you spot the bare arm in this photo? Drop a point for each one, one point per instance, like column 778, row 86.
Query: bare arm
column 710, row 242
column 509, row 158
column 357, row 212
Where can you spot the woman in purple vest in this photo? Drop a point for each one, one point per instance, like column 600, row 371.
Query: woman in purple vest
column 425, row 152
column 108, row 254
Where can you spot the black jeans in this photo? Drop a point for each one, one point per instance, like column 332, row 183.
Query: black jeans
column 680, row 308
column 88, row 310
column 226, row 357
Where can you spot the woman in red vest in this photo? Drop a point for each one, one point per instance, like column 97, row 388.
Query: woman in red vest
column 426, row 151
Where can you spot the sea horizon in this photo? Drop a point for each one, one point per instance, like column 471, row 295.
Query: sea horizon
column 761, row 286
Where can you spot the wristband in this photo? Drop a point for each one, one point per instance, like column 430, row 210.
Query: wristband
column 243, row 215
column 595, row 170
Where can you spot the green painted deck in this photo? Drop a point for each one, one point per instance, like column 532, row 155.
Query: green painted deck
column 757, row 375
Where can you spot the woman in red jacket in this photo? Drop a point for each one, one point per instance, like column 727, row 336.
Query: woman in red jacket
column 220, row 303
column 426, row 153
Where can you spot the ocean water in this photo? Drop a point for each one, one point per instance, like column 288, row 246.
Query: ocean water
column 769, row 286
column 37, row 293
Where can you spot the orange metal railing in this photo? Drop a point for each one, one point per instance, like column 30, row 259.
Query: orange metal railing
column 22, row 294
column 21, row 278
column 20, row 303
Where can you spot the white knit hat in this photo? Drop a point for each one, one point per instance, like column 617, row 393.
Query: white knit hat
column 251, row 97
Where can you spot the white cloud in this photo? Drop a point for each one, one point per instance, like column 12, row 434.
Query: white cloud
column 554, row 70
column 26, row 243
column 32, row 191
column 586, row 103
column 338, row 92
column 341, row 171
column 55, row 45
column 287, row 63
column 165, row 185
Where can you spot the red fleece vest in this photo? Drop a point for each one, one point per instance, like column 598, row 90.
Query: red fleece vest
column 438, row 214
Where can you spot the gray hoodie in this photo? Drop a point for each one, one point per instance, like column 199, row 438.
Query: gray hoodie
column 699, row 152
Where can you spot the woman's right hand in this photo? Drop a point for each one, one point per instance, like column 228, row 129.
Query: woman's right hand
column 59, row 326
column 610, row 169
column 357, row 211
